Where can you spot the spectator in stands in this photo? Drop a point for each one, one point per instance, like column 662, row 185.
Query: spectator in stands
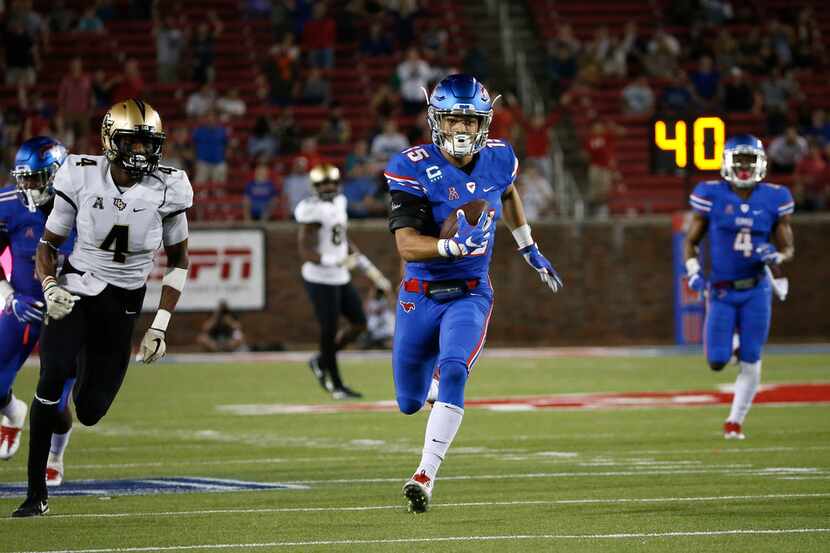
column 281, row 70
column 376, row 41
column 286, row 133
column 677, row 99
column 474, row 62
column 230, row 105
column 434, row 40
column 222, row 332
column 538, row 132
column 319, row 37
column 102, row 87
column 75, row 98
column 600, row 146
column 726, row 51
column 716, row 12
column 90, row 22
column 203, row 48
column 296, row 186
column 738, row 94
column 201, row 101
column 32, row 22
column 170, row 43
column 316, row 90
column 786, row 150
column 105, row 11
column 819, row 127
column 779, row 89
column 751, row 54
column 262, row 144
column 309, row 151
column 22, row 57
column 663, row 53
column 359, row 158
column 780, row 37
column 388, row 143
column 637, row 97
column 811, row 177
column 178, row 152
column 364, row 196
column 537, row 193
column 565, row 37
column 38, row 113
column 706, row 83
column 210, row 140
column 336, row 128
column 261, row 196
column 808, row 49
column 505, row 123
column 413, row 74
column 385, row 102
column 61, row 18
column 562, row 65
column 130, row 84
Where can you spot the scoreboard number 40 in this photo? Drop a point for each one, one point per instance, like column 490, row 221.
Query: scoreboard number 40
column 706, row 141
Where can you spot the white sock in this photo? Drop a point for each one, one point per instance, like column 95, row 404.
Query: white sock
column 746, row 385
column 15, row 411
column 444, row 421
column 433, row 390
column 59, row 443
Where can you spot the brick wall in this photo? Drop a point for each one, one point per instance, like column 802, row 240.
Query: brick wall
column 617, row 276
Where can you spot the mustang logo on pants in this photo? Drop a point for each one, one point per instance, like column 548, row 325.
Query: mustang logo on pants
column 407, row 306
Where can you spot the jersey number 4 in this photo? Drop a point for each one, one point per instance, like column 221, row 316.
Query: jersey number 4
column 117, row 242
column 743, row 242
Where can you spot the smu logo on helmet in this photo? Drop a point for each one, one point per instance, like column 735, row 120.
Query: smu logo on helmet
column 407, row 306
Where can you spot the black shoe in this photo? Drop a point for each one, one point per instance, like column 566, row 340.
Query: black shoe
column 314, row 365
column 344, row 392
column 32, row 507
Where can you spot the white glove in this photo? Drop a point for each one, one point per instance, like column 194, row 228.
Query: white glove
column 59, row 302
column 153, row 346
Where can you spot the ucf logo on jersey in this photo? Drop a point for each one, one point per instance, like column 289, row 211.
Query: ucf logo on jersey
column 119, row 203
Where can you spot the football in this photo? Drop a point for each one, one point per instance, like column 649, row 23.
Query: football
column 472, row 211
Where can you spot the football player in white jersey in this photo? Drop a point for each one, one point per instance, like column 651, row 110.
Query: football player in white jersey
column 325, row 250
column 124, row 206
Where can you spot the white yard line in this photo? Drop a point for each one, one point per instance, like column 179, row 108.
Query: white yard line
column 517, row 503
column 515, row 537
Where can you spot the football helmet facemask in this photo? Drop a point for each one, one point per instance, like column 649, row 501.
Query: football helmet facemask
column 35, row 164
column 132, row 136
column 325, row 180
column 460, row 96
column 744, row 161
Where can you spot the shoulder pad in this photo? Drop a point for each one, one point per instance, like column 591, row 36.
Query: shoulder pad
column 308, row 211
column 402, row 175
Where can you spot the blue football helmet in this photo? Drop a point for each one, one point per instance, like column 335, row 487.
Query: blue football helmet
column 35, row 165
column 460, row 95
column 744, row 161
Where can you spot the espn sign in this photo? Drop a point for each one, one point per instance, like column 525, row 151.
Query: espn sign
column 224, row 265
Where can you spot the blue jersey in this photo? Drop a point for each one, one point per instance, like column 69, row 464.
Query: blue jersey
column 737, row 227
column 24, row 229
column 423, row 171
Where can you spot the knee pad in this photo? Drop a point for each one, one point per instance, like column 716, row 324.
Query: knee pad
column 49, row 390
column 409, row 406
column 453, row 379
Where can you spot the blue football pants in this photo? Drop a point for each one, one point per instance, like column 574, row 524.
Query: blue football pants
column 748, row 312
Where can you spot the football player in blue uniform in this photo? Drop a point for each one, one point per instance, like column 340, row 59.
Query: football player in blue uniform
column 24, row 207
column 748, row 222
column 445, row 299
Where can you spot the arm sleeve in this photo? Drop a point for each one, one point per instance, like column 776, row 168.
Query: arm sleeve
column 61, row 220
column 174, row 229
column 786, row 205
column 409, row 210
column 701, row 199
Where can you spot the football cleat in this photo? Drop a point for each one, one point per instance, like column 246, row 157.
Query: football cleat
column 317, row 371
column 418, row 491
column 344, row 392
column 10, row 435
column 732, row 431
column 32, row 507
column 54, row 474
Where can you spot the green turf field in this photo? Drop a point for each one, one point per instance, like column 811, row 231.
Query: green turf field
column 622, row 480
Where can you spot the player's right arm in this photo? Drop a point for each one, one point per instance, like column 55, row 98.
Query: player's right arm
column 6, row 289
column 701, row 203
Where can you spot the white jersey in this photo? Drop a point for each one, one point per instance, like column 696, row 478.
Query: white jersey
column 333, row 246
column 119, row 230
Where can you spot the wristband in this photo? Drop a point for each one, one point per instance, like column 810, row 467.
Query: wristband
column 692, row 266
column 175, row 278
column 48, row 281
column 6, row 290
column 522, row 236
column 162, row 320
column 448, row 248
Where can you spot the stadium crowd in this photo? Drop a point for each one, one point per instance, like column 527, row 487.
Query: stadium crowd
column 251, row 141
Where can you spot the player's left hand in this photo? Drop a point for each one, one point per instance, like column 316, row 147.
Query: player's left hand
column 546, row 271
column 153, row 346
column 27, row 309
column 766, row 253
